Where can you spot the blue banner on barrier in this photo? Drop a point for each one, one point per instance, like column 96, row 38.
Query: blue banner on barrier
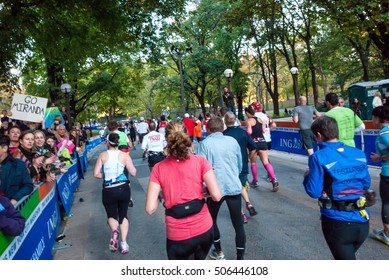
column 81, row 162
column 288, row 140
column 93, row 143
column 66, row 184
column 37, row 240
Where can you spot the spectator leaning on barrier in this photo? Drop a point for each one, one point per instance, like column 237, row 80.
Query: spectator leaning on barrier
column 15, row 179
column 11, row 221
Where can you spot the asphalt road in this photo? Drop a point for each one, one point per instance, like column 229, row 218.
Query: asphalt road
column 287, row 226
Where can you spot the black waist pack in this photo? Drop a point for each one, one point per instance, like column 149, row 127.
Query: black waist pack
column 185, row 209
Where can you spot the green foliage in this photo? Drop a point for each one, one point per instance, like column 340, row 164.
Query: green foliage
column 123, row 57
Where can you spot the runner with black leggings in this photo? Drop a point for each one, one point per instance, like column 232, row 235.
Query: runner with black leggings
column 224, row 153
column 116, row 193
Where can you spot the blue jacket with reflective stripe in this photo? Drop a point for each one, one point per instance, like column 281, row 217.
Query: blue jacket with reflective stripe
column 345, row 169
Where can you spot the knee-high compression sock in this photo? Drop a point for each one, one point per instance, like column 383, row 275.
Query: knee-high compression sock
column 270, row 171
column 254, row 171
column 264, row 166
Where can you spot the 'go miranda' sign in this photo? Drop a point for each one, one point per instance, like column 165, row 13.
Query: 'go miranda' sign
column 28, row 107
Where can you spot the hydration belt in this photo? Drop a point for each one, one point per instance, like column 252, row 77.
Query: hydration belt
column 109, row 183
column 259, row 139
column 152, row 153
column 346, row 205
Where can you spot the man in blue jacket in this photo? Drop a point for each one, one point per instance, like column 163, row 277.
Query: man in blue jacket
column 11, row 221
column 15, row 181
column 223, row 153
column 246, row 143
column 338, row 177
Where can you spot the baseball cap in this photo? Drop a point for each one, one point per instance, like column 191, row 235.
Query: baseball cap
column 257, row 106
column 186, row 115
column 142, row 118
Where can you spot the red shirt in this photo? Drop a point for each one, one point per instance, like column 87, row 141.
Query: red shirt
column 205, row 123
column 162, row 124
column 182, row 181
column 190, row 125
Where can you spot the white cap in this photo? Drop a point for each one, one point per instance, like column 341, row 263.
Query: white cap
column 142, row 118
column 186, row 115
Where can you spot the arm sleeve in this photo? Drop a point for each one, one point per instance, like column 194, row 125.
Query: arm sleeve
column 313, row 182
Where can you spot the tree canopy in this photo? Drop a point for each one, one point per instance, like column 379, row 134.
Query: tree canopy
column 152, row 57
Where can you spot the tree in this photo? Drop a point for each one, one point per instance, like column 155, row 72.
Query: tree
column 68, row 38
column 369, row 17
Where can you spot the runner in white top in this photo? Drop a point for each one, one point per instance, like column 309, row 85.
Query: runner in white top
column 268, row 121
column 153, row 144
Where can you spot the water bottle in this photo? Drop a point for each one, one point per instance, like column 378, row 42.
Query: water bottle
column 325, row 201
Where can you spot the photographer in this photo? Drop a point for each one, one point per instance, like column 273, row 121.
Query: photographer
column 355, row 106
column 229, row 100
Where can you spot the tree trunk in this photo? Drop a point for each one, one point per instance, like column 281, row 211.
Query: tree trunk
column 323, row 79
column 313, row 73
column 363, row 56
column 381, row 40
column 54, row 79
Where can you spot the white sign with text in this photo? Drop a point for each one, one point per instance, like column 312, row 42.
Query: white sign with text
column 28, row 107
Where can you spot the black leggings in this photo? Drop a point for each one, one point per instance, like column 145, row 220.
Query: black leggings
column 384, row 194
column 234, row 204
column 195, row 248
column 115, row 201
column 344, row 238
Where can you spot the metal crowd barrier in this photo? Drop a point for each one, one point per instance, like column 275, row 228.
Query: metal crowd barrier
column 41, row 209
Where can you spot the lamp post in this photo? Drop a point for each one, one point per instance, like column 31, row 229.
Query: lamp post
column 90, row 124
column 228, row 73
column 294, row 71
column 66, row 89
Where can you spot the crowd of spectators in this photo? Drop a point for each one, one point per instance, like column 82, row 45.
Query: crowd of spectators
column 30, row 155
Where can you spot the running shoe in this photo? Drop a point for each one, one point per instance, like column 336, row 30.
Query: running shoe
column 276, row 186
column 113, row 242
column 124, row 247
column 254, row 185
column 267, row 178
column 251, row 209
column 381, row 236
column 216, row 255
column 244, row 218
